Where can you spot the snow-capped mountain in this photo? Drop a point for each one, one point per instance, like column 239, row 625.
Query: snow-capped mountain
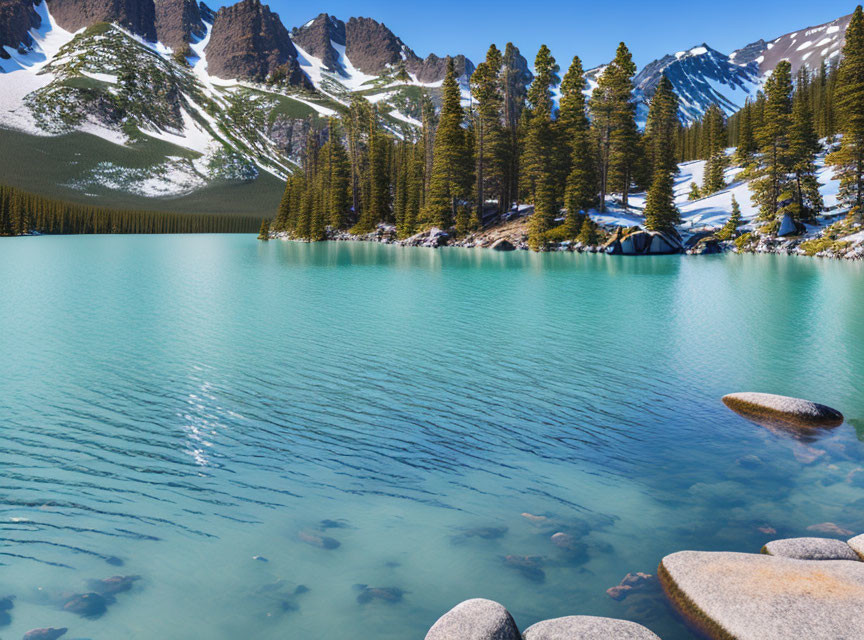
column 224, row 97
column 702, row 75
column 177, row 100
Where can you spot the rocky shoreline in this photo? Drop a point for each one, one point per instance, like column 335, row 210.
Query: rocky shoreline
column 793, row 588
column 512, row 235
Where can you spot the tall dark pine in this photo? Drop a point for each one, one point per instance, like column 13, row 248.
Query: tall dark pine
column 848, row 161
column 661, row 214
column 580, row 193
column 539, row 153
column 450, row 180
column 772, row 189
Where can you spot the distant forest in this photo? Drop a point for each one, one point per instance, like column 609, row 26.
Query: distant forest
column 23, row 213
column 514, row 146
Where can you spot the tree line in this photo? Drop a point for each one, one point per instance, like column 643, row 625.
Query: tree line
column 23, row 213
column 462, row 166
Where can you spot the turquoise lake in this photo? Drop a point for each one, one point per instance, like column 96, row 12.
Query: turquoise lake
column 183, row 404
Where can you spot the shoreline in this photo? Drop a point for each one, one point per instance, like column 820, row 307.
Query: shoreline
column 508, row 237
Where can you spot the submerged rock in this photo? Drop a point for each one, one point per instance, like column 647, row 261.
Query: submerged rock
column 587, row 628
column 46, row 633
column 113, row 585
column 476, row 619
column 316, row 539
column 7, row 603
column 484, row 533
column 528, row 566
column 769, row 410
column 830, row 527
column 386, row 594
column 633, row 583
column 810, row 549
column 87, row 605
column 761, row 597
column 333, row 524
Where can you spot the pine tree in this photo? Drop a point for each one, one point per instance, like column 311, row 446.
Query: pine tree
column 514, row 79
column 746, row 148
column 661, row 214
column 772, row 189
column 713, row 143
column 848, row 161
column 588, row 235
column 694, row 194
column 803, row 147
column 730, row 229
column 490, row 137
column 580, row 192
column 613, row 116
column 339, row 179
column 539, row 157
column 450, row 180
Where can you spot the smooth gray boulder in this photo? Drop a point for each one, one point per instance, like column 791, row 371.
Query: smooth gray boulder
column 857, row 545
column 811, row 549
column 476, row 619
column 760, row 597
column 587, row 628
column 795, row 412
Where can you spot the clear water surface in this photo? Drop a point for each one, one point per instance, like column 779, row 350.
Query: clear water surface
column 184, row 404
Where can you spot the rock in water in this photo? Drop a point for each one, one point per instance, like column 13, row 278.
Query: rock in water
column 113, row 585
column 502, row 244
column 759, row 597
column 386, row 594
column 857, row 545
column 476, row 619
column 587, row 628
column 810, row 549
column 782, row 411
column 317, row 540
column 47, row 633
column 831, row 528
column 88, row 605
column 7, row 603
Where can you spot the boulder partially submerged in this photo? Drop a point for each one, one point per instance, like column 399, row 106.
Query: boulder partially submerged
column 810, row 549
column 476, row 619
column 587, row 628
column 782, row 411
column 641, row 242
column 738, row 596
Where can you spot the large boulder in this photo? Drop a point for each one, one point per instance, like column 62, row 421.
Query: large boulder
column 641, row 242
column 502, row 244
column 782, row 410
column 789, row 227
column 759, row 597
column 857, row 545
column 46, row 633
column 811, row 549
column 476, row 619
column 587, row 628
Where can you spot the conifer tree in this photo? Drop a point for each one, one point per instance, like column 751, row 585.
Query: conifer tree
column 746, row 147
column 613, row 116
column 588, row 235
column 539, row 154
column 450, row 180
column 848, row 161
column 661, row 214
column 803, row 146
column 730, row 229
column 490, row 138
column 772, row 189
column 264, row 232
column 514, row 79
column 713, row 143
column 580, row 192
column 694, row 194
column 339, row 179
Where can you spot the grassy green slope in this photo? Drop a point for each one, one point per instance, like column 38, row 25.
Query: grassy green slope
column 46, row 165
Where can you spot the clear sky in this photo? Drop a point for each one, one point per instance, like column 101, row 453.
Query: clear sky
column 590, row 29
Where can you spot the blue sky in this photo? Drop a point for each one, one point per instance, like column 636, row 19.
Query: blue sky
column 591, row 30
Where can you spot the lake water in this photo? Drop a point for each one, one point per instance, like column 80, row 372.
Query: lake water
column 184, row 404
